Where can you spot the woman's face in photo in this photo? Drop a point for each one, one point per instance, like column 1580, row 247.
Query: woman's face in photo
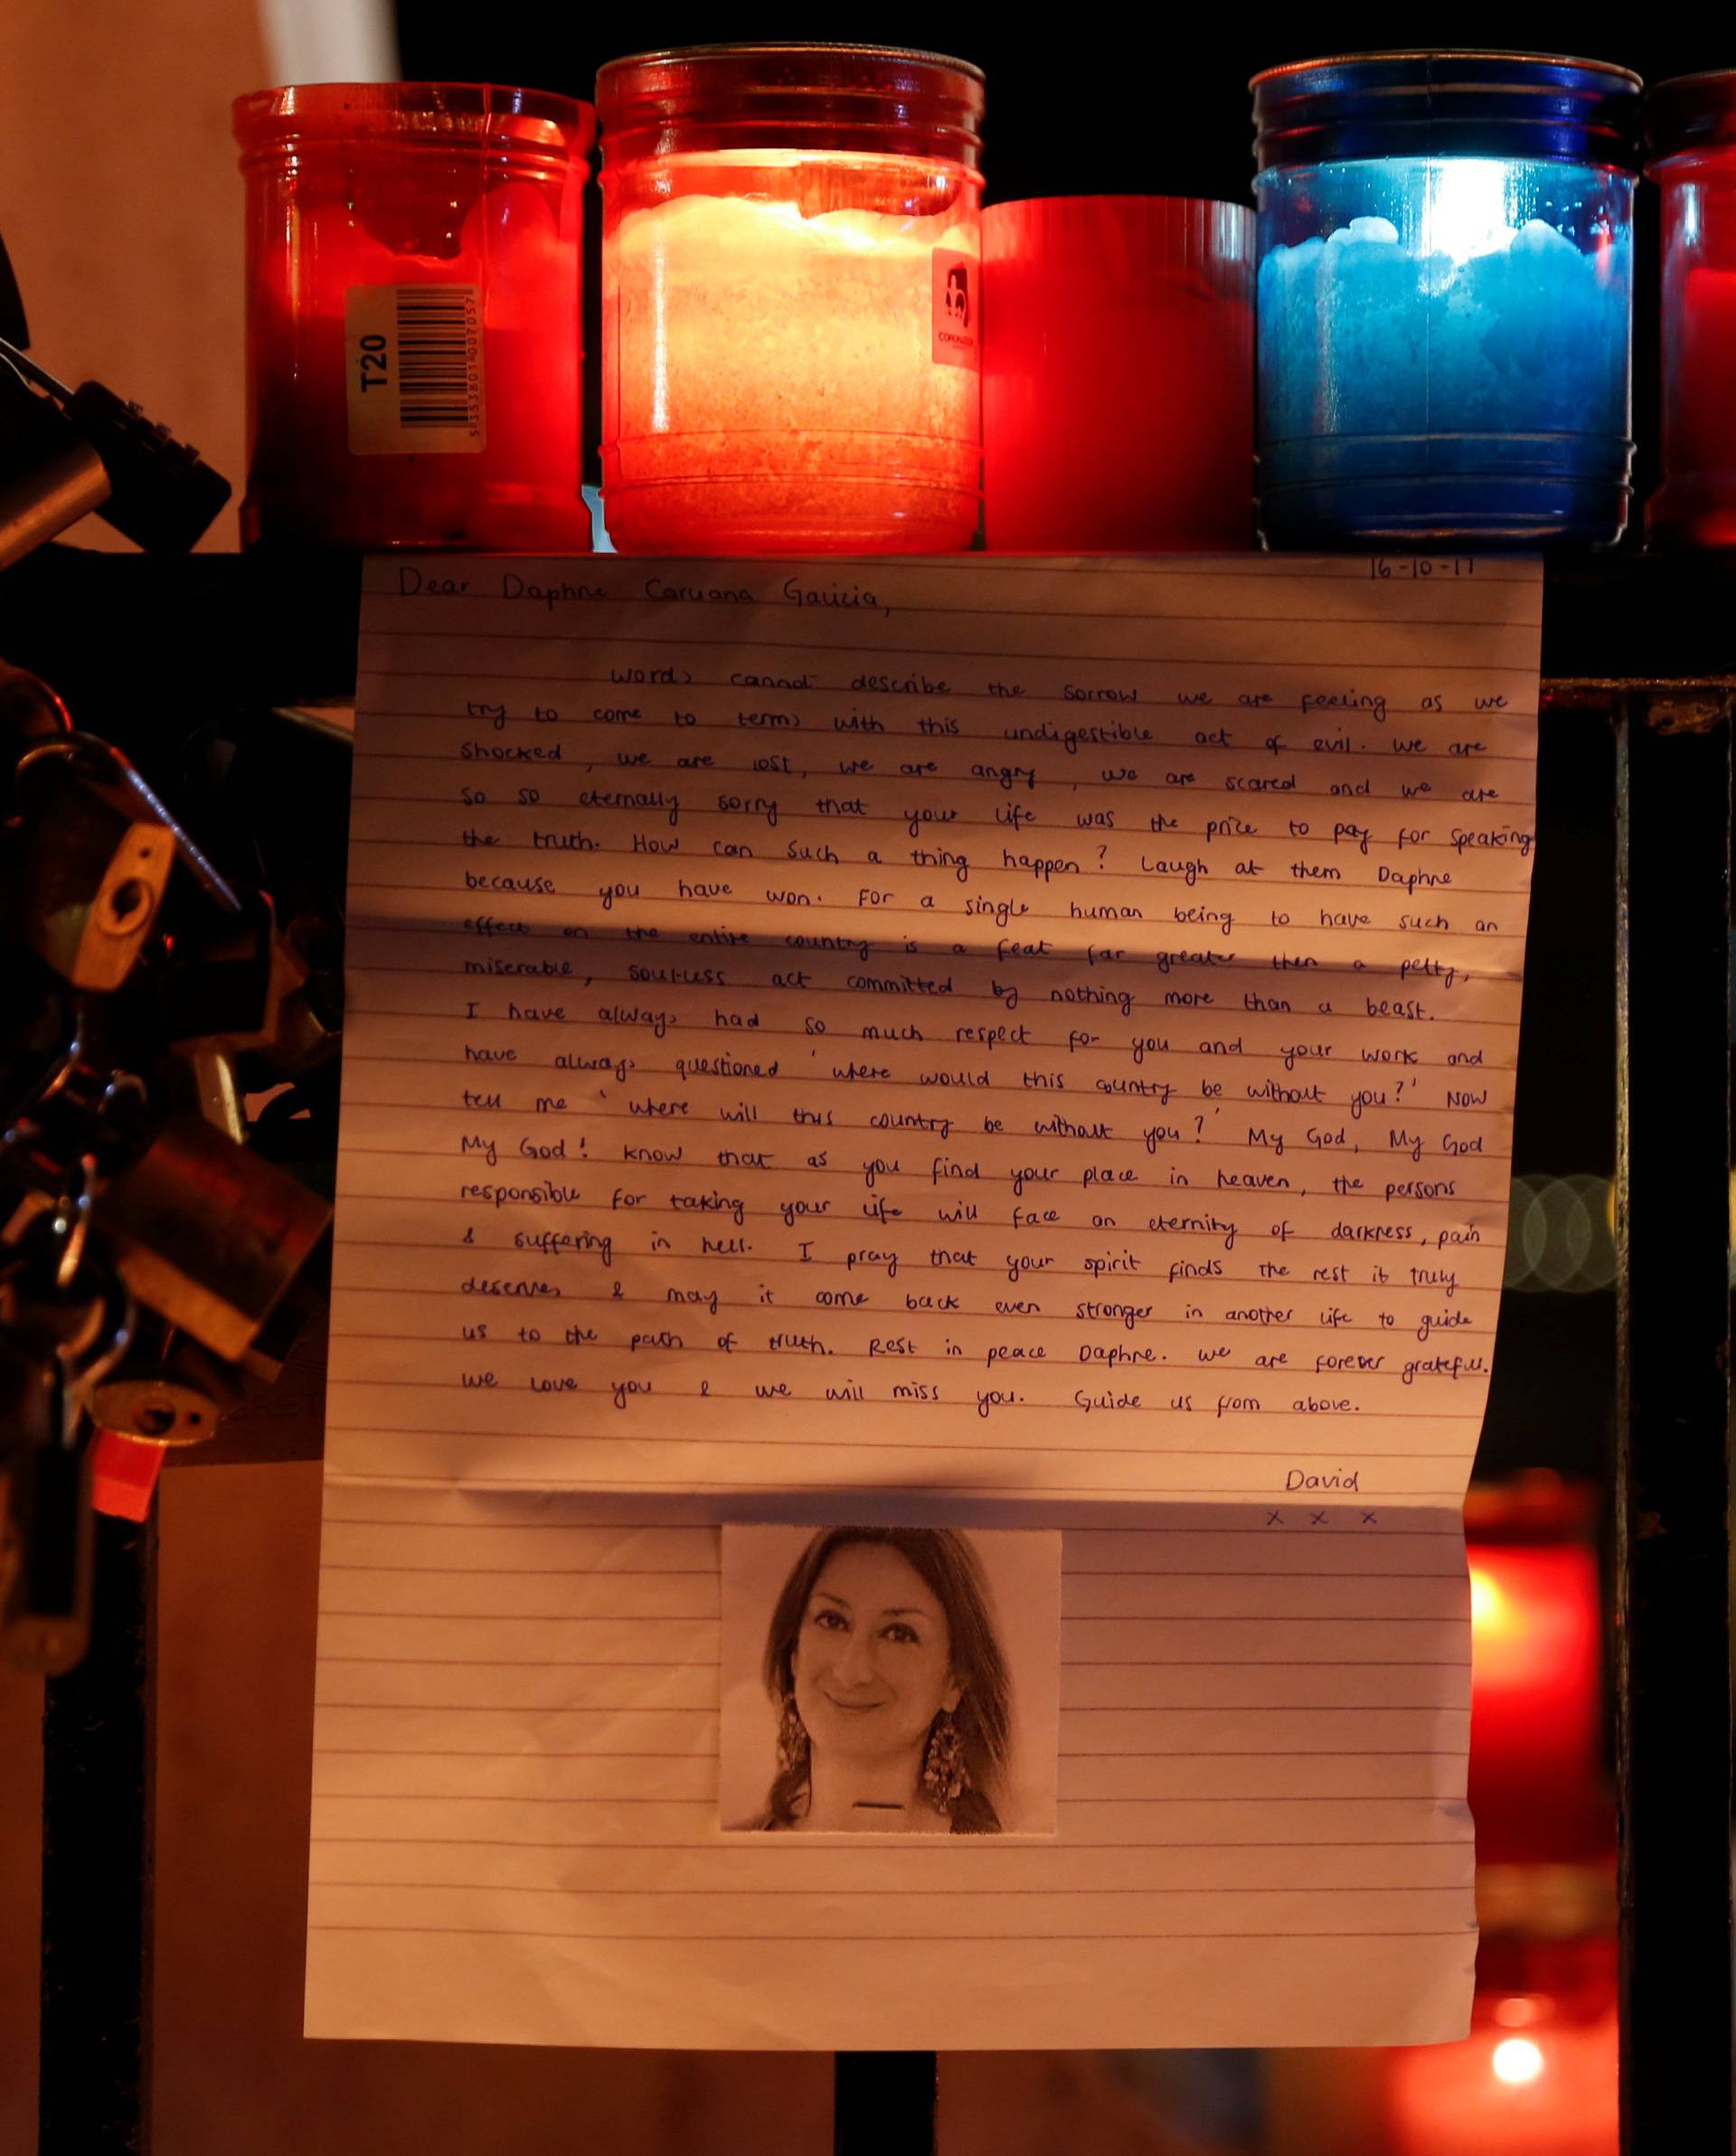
column 872, row 1663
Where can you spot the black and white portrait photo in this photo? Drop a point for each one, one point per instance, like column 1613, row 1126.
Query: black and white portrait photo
column 889, row 1679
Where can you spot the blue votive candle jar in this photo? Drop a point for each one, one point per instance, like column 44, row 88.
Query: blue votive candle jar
column 1445, row 299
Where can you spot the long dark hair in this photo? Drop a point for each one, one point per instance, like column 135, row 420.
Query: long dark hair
column 950, row 1567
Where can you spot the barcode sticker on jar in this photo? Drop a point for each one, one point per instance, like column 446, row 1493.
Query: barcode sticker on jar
column 413, row 360
column 957, row 303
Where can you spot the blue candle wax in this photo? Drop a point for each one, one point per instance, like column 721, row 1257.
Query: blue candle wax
column 1444, row 351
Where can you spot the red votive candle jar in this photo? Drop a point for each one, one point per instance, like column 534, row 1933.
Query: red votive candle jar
column 1691, row 132
column 1538, row 1787
column 413, row 346
column 1118, row 375
column 791, row 255
column 1537, row 2074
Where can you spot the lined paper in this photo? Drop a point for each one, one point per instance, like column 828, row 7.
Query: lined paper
column 1147, row 1132
column 1262, row 1835
column 989, row 1042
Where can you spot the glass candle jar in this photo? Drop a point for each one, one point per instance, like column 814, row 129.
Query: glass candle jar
column 1536, row 2075
column 790, row 307
column 1692, row 138
column 1118, row 375
column 413, row 346
column 1445, row 299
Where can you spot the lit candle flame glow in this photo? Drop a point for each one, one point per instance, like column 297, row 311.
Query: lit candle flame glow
column 1516, row 2060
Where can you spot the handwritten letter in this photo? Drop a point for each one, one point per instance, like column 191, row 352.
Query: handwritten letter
column 1013, row 1043
column 980, row 1026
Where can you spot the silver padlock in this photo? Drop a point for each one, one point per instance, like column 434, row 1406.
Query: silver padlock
column 173, row 1395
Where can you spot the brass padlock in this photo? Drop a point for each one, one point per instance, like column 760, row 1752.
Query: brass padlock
column 92, row 864
column 208, row 1234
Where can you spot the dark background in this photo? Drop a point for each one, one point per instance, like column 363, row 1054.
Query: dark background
column 1157, row 106
column 1160, row 105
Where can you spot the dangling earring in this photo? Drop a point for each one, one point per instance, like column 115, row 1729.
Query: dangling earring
column 945, row 1777
column 792, row 1738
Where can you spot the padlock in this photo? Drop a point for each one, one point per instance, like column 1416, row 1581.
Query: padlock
column 275, row 1341
column 53, row 476
column 76, row 1109
column 231, row 976
column 207, row 1233
column 165, row 1391
column 207, row 1072
column 66, row 1324
column 90, row 867
column 308, row 1031
column 59, row 1300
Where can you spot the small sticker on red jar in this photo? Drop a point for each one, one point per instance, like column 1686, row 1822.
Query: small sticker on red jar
column 957, row 303
column 412, row 356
